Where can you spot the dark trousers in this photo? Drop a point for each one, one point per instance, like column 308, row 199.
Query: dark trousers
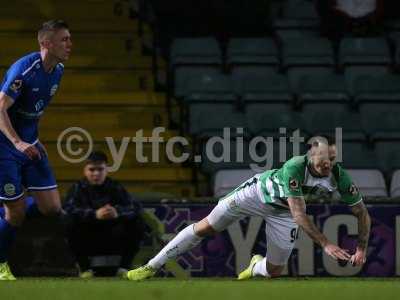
column 113, row 237
column 336, row 25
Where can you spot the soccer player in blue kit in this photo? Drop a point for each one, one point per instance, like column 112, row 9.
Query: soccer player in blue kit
column 26, row 90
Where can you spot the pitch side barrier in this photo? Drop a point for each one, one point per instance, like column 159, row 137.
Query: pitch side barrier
column 229, row 252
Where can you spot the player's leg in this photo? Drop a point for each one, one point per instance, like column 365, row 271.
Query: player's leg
column 281, row 232
column 12, row 197
column 14, row 217
column 224, row 214
column 39, row 179
column 31, row 209
column 48, row 202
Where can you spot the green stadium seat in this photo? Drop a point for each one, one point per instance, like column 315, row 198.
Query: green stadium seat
column 183, row 74
column 325, row 118
column 299, row 9
column 318, row 85
column 364, row 51
column 261, row 85
column 205, row 119
column 265, row 119
column 210, row 87
column 381, row 120
column 307, row 51
column 372, row 84
column 236, row 157
column 297, row 14
column 388, row 154
column 252, row 51
column 358, row 155
column 276, row 152
column 287, row 34
column 195, row 51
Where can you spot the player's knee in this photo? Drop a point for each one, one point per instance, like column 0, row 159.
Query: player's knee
column 51, row 210
column 203, row 228
column 274, row 270
column 15, row 217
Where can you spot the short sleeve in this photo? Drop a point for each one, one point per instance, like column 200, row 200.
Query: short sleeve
column 13, row 82
column 350, row 194
column 292, row 179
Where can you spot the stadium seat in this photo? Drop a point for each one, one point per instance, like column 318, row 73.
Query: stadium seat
column 299, row 9
column 318, row 85
column 252, row 51
column 395, row 184
column 307, row 51
column 265, row 119
column 230, row 155
column 275, row 151
column 370, row 182
column 381, row 120
column 209, row 119
column 209, row 87
column 357, row 155
column 195, row 51
column 388, row 153
column 287, row 34
column 325, row 118
column 364, row 51
column 261, row 85
column 297, row 14
column 183, row 74
column 372, row 84
column 227, row 180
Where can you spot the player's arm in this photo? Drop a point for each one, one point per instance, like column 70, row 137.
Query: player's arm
column 364, row 226
column 297, row 207
column 8, row 130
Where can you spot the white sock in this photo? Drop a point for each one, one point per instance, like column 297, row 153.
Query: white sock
column 182, row 242
column 260, row 268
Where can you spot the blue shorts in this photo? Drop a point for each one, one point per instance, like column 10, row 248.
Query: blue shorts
column 17, row 172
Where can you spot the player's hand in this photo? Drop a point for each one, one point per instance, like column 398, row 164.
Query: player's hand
column 336, row 252
column 107, row 212
column 28, row 149
column 358, row 258
column 111, row 212
column 44, row 148
column 102, row 213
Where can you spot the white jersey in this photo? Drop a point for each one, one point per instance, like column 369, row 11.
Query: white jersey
column 356, row 8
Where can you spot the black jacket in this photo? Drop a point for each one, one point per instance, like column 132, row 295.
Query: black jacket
column 83, row 200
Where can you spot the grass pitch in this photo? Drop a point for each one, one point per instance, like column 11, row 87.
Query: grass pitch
column 204, row 289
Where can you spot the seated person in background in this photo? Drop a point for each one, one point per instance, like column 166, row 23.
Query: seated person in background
column 103, row 218
column 350, row 17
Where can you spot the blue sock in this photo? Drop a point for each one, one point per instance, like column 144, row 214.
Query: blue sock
column 7, row 237
column 31, row 209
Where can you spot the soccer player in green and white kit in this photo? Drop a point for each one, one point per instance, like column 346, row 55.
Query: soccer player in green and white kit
column 279, row 196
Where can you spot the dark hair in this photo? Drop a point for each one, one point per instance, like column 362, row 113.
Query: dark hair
column 52, row 26
column 97, row 157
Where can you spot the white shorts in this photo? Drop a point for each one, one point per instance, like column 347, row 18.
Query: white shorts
column 280, row 228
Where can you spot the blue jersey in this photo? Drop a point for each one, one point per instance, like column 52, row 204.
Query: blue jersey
column 31, row 88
